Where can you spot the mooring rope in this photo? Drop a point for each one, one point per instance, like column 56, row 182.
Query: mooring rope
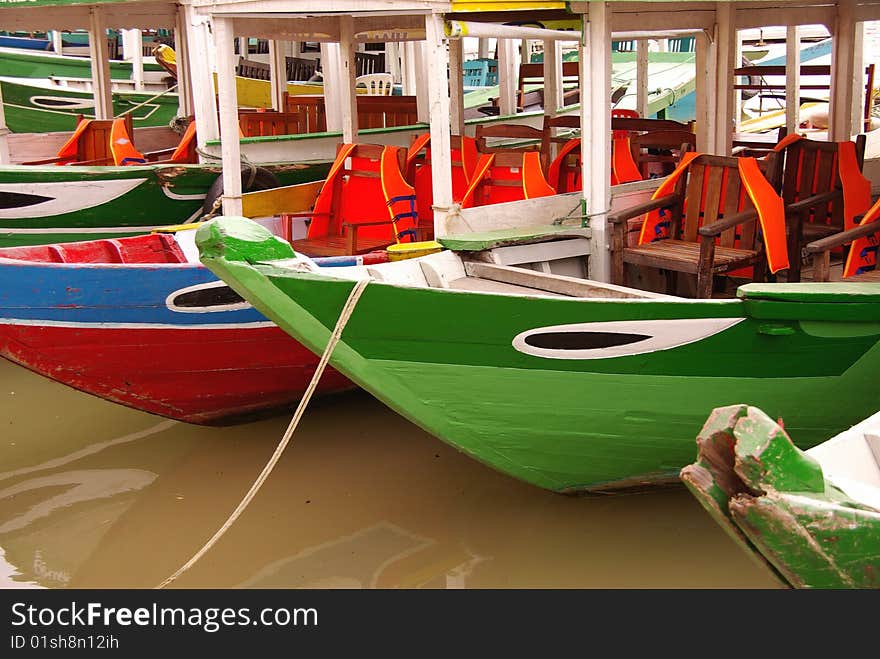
column 344, row 316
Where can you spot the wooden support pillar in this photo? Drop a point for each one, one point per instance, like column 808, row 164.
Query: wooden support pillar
column 133, row 51
column 507, row 76
column 184, row 66
column 100, row 60
column 277, row 74
column 332, row 85
column 792, row 78
column 437, row 61
column 4, row 131
column 203, row 99
column 595, row 75
column 229, row 136
column 724, row 61
column 552, row 77
column 456, row 86
column 420, row 65
column 843, row 73
column 642, row 77
column 347, row 72
column 57, row 40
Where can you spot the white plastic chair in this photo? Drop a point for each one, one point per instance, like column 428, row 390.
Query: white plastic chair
column 377, row 84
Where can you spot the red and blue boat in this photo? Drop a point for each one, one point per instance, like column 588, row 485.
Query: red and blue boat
column 139, row 321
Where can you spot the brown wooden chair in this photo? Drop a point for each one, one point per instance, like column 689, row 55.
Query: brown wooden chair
column 819, row 251
column 709, row 234
column 533, row 136
column 658, row 153
column 812, row 194
column 356, row 218
column 88, row 145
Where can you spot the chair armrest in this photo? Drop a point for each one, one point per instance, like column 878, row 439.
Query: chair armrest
column 716, row 228
column 355, row 225
column 641, row 209
column 842, row 238
column 47, row 161
column 815, row 200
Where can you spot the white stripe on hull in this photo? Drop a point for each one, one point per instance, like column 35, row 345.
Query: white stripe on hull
column 66, row 196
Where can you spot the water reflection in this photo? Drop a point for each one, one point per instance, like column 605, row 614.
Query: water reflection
column 96, row 495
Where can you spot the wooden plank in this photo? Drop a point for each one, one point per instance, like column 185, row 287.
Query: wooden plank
column 557, row 249
column 289, row 199
column 568, row 286
column 694, row 201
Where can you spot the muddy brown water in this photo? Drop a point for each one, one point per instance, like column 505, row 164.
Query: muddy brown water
column 94, row 494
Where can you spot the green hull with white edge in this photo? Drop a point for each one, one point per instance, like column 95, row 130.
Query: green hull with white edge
column 468, row 366
column 812, row 517
column 51, row 204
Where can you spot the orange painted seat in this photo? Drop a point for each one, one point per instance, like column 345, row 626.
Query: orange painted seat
column 507, row 176
column 365, row 204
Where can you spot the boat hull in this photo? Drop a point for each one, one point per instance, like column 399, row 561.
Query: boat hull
column 44, row 109
column 113, row 331
column 447, row 361
column 49, row 204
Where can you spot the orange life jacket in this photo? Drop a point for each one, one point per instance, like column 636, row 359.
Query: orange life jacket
column 568, row 179
column 623, row 166
column 183, row 152
column 121, row 146
column 862, row 255
column 464, row 163
column 771, row 212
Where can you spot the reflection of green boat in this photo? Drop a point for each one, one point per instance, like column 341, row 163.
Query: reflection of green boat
column 35, row 106
column 565, row 383
column 813, row 516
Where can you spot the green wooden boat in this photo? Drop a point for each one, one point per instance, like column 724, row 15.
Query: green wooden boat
column 49, row 204
column 812, row 516
column 563, row 382
column 40, row 106
column 18, row 63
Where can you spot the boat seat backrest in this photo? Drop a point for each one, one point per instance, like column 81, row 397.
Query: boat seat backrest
column 403, row 273
column 121, row 145
column 442, row 268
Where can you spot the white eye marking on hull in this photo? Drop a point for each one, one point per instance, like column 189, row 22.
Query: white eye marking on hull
column 602, row 340
column 66, row 196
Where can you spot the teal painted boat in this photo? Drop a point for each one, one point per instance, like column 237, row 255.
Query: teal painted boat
column 49, row 204
column 35, row 106
column 563, row 382
column 812, row 516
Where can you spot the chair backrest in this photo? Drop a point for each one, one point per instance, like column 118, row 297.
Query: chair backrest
column 300, row 68
column 377, row 84
column 122, row 145
column 90, row 142
column 811, row 168
column 507, row 132
column 507, row 176
column 363, row 190
column 532, row 73
column 186, row 148
column 564, row 173
column 658, row 153
column 712, row 189
column 464, row 158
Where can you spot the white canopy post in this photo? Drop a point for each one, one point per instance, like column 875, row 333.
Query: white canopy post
column 408, row 68
column 705, row 72
column 133, row 51
column 725, row 61
column 507, row 76
column 552, row 77
column 99, row 56
column 201, row 69
column 483, row 48
column 229, row 135
column 243, row 47
column 792, row 78
column 438, row 110
column 277, row 74
column 858, row 106
column 392, row 60
column 4, row 131
column 595, row 76
column 57, row 41
column 347, row 72
column 332, row 86
column 184, row 68
column 456, row 86
column 642, row 77
column 843, row 73
column 420, row 64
